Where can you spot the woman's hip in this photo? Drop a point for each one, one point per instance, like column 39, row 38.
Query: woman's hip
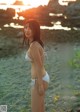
column 46, row 80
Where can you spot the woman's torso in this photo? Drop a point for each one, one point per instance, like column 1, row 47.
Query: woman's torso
column 33, row 67
column 33, row 72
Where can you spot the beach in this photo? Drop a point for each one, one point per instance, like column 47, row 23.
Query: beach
column 62, row 64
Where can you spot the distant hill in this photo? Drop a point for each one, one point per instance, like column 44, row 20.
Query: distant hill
column 18, row 3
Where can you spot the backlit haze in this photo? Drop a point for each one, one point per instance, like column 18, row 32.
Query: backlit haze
column 27, row 4
column 32, row 3
column 4, row 4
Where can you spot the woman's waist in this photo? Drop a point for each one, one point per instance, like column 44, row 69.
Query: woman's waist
column 34, row 74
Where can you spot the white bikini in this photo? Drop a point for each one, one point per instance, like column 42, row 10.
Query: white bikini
column 45, row 78
column 27, row 57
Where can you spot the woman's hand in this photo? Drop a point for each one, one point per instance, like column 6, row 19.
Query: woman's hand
column 41, row 90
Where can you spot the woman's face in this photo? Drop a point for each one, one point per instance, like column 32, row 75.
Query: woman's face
column 28, row 31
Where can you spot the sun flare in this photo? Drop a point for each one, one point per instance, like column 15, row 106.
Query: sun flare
column 33, row 3
column 28, row 3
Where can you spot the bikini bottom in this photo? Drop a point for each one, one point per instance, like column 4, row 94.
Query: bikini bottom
column 45, row 78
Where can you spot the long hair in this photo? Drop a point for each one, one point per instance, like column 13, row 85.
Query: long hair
column 35, row 27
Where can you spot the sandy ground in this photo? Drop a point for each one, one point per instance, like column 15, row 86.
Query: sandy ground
column 62, row 64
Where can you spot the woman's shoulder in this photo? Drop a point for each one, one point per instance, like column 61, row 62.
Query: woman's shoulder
column 34, row 45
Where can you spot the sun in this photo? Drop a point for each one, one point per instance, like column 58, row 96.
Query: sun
column 35, row 3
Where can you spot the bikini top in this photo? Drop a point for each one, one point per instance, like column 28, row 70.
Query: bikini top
column 27, row 57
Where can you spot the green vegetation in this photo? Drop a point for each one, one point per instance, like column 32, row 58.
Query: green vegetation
column 75, row 62
column 63, row 48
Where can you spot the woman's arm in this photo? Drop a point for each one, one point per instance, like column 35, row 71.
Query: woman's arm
column 36, row 56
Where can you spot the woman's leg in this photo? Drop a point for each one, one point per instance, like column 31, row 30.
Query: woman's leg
column 37, row 101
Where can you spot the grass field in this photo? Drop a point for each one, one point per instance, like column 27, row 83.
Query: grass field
column 62, row 64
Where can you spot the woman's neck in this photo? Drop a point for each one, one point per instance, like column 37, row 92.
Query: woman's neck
column 31, row 41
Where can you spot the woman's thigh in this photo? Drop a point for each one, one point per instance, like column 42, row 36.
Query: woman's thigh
column 37, row 101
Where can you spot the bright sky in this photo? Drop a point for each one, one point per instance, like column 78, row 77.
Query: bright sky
column 32, row 2
column 7, row 1
column 26, row 1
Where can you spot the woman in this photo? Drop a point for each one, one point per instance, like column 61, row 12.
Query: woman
column 36, row 55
